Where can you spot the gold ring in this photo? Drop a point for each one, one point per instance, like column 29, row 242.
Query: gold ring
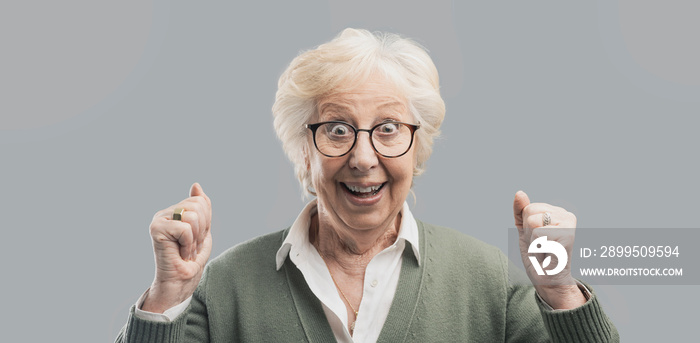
column 177, row 213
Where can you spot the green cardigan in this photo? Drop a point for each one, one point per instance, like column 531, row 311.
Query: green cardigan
column 460, row 292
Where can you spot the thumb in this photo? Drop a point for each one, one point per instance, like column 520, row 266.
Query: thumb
column 519, row 203
column 196, row 190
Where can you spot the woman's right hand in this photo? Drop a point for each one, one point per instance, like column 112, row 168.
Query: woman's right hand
column 181, row 250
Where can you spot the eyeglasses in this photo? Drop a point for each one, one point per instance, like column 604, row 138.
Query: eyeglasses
column 337, row 138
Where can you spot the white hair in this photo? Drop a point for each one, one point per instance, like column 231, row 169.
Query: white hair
column 344, row 63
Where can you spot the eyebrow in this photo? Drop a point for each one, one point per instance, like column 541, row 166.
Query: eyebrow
column 334, row 107
column 342, row 108
column 392, row 104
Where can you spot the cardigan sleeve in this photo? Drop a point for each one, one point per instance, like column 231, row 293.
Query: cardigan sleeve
column 528, row 319
column 586, row 323
column 190, row 326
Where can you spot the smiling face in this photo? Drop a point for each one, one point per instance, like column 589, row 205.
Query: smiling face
column 361, row 191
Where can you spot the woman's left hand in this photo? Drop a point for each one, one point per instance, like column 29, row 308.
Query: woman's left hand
column 552, row 282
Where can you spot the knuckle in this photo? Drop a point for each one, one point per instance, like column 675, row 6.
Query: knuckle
column 200, row 210
column 195, row 205
column 537, row 233
column 532, row 221
column 156, row 225
column 153, row 229
column 193, row 217
column 187, row 233
column 161, row 213
column 198, row 199
column 572, row 218
column 161, row 238
column 202, row 201
column 534, row 208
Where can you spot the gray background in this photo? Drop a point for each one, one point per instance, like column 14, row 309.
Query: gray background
column 110, row 110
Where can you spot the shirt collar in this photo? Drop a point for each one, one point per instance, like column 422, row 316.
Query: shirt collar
column 297, row 241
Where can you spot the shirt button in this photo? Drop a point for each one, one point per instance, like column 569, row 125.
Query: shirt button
column 374, row 283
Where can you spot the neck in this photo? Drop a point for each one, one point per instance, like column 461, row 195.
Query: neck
column 351, row 251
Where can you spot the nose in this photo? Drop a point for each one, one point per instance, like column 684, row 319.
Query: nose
column 363, row 157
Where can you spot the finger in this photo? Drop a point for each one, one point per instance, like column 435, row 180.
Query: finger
column 196, row 191
column 165, row 232
column 186, row 241
column 565, row 236
column 196, row 204
column 203, row 255
column 519, row 203
column 203, row 216
column 192, row 218
column 538, row 208
column 537, row 220
column 167, row 213
column 533, row 216
column 551, row 231
column 193, row 214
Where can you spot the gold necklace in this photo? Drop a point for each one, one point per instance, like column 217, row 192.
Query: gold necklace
column 352, row 326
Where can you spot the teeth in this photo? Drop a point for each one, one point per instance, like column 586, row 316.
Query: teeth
column 358, row 189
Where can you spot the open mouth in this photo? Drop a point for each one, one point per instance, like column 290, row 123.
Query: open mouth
column 363, row 192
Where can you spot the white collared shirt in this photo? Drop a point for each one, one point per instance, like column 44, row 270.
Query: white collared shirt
column 381, row 278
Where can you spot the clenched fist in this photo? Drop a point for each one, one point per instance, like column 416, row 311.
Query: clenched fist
column 181, row 249
column 539, row 220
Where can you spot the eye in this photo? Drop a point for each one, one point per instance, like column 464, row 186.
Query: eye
column 388, row 128
column 338, row 129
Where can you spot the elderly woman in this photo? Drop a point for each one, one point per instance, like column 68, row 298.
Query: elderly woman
column 357, row 116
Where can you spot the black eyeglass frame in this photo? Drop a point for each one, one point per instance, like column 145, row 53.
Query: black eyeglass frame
column 314, row 127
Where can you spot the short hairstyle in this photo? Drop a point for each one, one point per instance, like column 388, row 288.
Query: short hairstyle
column 342, row 64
